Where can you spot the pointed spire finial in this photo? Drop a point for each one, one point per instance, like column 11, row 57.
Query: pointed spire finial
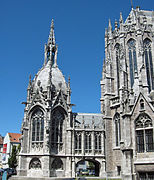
column 131, row 4
column 30, row 78
column 116, row 24
column 110, row 29
column 121, row 18
column 110, row 26
column 52, row 24
column 51, row 39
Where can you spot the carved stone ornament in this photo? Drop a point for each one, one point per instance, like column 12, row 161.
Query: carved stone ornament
column 35, row 164
column 122, row 52
column 141, row 49
column 143, row 121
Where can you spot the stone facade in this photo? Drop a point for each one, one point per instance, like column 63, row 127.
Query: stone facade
column 119, row 141
column 127, row 96
column 54, row 139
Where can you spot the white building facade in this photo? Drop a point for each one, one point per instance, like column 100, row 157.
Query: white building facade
column 10, row 140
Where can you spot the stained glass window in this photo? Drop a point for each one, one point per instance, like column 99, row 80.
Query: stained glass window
column 149, row 64
column 57, row 127
column 132, row 60
column 37, row 125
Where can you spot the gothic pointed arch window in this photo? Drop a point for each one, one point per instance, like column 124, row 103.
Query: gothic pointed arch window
column 78, row 136
column 144, row 134
column 88, row 147
column 57, row 127
column 117, row 51
column 98, row 142
column 132, row 60
column 117, row 129
column 149, row 63
column 37, row 120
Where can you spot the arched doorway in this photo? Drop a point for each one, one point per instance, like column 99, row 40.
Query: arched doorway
column 88, row 167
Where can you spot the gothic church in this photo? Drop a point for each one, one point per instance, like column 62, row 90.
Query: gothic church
column 119, row 140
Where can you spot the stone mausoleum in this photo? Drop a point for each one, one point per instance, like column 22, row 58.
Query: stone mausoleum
column 119, row 140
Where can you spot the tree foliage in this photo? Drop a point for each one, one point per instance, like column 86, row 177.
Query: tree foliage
column 12, row 161
column 91, row 165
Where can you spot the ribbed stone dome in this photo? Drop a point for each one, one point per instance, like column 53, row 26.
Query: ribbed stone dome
column 57, row 78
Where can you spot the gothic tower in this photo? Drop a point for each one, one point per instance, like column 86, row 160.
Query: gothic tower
column 127, row 95
column 46, row 116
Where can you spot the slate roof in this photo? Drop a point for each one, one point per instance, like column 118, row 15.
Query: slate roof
column 88, row 119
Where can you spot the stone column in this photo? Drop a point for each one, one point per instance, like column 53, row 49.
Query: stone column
column 73, row 167
column 83, row 143
column 45, row 166
column 102, row 169
column 127, row 164
column 93, row 142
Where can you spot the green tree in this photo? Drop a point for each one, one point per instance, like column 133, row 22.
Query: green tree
column 91, row 165
column 12, row 161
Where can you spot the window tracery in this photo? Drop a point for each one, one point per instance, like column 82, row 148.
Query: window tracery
column 148, row 63
column 57, row 128
column 78, row 142
column 98, row 144
column 132, row 60
column 37, row 125
column 144, row 134
column 88, row 142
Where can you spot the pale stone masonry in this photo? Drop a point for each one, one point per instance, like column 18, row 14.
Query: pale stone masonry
column 119, row 141
column 54, row 139
column 127, row 96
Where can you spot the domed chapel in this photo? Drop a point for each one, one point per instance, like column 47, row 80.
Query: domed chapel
column 119, row 140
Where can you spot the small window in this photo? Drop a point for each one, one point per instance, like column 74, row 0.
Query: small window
column 141, row 104
column 118, row 170
column 117, row 129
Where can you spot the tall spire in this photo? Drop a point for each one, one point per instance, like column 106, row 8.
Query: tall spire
column 50, row 48
column 51, row 39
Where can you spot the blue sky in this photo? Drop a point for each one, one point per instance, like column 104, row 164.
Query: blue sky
column 79, row 29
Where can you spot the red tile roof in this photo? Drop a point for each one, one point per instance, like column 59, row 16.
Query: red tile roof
column 15, row 137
